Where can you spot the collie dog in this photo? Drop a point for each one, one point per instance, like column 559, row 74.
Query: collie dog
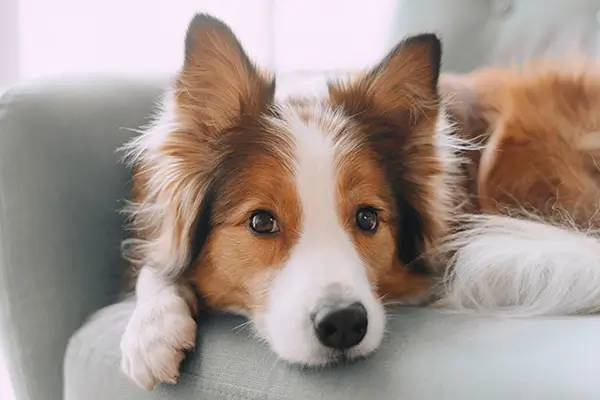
column 306, row 215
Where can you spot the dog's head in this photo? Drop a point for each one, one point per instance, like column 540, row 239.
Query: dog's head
column 300, row 214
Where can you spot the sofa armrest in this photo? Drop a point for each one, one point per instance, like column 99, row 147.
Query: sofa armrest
column 61, row 181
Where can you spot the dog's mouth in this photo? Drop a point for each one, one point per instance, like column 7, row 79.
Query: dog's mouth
column 346, row 356
column 335, row 357
column 331, row 357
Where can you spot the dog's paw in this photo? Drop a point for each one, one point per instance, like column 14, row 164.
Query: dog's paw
column 155, row 340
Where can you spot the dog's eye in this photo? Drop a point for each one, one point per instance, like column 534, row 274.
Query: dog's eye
column 263, row 222
column 367, row 220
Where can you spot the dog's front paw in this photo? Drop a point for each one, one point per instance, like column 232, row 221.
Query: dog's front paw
column 155, row 340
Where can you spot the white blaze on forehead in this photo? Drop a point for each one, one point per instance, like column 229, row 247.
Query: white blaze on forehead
column 315, row 173
column 313, row 129
column 325, row 248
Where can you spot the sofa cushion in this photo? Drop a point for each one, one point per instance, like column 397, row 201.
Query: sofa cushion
column 60, row 185
column 428, row 354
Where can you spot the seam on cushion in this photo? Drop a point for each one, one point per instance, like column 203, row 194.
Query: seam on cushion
column 6, row 99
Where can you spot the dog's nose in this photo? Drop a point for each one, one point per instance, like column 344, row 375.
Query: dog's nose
column 341, row 327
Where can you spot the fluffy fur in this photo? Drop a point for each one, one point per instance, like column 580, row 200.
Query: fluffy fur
column 224, row 149
column 523, row 268
column 534, row 250
column 453, row 172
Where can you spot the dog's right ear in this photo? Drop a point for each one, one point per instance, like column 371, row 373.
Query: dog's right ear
column 176, row 160
column 218, row 82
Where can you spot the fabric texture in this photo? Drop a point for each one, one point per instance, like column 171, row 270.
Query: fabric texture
column 60, row 186
column 427, row 354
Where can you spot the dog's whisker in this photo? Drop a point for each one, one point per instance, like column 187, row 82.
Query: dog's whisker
column 242, row 326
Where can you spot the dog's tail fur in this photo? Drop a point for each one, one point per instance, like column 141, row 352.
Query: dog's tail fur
column 504, row 265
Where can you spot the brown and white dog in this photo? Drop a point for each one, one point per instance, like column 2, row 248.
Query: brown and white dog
column 305, row 214
column 301, row 214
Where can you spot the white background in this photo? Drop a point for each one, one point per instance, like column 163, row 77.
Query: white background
column 46, row 37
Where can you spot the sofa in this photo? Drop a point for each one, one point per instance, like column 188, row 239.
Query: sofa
column 61, row 184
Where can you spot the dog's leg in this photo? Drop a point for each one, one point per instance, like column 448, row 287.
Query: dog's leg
column 160, row 330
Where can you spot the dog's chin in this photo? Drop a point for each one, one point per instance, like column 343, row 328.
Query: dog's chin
column 320, row 356
column 325, row 357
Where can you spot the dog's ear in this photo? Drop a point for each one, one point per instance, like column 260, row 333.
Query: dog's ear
column 177, row 159
column 404, row 84
column 218, row 84
column 397, row 103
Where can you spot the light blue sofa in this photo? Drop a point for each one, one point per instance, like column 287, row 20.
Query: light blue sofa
column 61, row 184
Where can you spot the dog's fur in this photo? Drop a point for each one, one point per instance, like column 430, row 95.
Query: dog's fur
column 533, row 250
column 224, row 148
column 394, row 141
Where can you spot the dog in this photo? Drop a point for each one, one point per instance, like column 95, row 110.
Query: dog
column 300, row 214
column 308, row 215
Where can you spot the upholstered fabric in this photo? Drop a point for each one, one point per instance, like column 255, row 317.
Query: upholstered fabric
column 60, row 186
column 426, row 355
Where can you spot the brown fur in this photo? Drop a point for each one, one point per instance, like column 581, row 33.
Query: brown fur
column 228, row 150
column 195, row 191
column 234, row 268
column 538, row 125
column 397, row 107
column 175, row 181
column 363, row 181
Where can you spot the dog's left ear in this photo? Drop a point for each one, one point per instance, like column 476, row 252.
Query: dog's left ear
column 398, row 105
column 404, row 81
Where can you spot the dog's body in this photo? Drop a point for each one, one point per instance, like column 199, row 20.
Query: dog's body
column 303, row 215
column 535, row 182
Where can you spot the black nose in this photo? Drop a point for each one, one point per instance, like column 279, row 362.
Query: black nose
column 341, row 327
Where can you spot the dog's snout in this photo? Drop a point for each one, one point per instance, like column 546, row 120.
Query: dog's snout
column 342, row 326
